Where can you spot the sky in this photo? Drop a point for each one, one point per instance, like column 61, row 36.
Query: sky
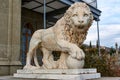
column 109, row 24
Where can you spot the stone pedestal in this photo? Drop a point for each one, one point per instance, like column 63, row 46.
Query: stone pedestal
column 58, row 74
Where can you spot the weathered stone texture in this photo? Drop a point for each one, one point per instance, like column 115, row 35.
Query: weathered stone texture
column 3, row 28
column 4, row 9
column 4, row 3
column 4, row 70
column 3, row 51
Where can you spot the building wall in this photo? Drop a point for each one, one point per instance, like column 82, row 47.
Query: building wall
column 10, row 29
column 11, row 24
column 4, row 9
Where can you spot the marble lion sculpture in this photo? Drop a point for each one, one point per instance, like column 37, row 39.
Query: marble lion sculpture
column 66, row 35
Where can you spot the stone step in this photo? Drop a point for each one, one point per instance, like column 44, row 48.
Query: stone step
column 59, row 76
column 58, row 71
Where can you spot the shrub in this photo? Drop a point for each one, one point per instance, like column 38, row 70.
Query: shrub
column 100, row 63
column 105, row 64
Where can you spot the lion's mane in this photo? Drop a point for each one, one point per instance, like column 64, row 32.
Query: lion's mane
column 74, row 35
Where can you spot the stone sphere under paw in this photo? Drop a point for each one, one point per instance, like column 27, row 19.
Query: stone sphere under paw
column 73, row 63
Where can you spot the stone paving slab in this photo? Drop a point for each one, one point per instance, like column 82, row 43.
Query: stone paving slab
column 57, row 71
column 108, row 78
column 12, row 78
column 59, row 76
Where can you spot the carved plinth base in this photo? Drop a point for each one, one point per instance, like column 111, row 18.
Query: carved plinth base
column 58, row 74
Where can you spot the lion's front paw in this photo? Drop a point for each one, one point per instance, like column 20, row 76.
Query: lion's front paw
column 78, row 54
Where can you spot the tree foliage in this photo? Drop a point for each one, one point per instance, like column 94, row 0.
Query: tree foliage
column 105, row 64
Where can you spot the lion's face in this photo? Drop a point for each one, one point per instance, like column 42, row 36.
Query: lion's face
column 80, row 17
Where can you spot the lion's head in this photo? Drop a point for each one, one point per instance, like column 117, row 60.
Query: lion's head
column 78, row 19
column 79, row 15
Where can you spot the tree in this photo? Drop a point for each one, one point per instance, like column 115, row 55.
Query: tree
column 112, row 50
column 90, row 45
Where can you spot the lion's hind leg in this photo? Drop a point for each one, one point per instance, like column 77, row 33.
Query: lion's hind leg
column 48, row 61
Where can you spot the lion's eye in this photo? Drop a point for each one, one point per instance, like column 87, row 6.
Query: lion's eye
column 85, row 15
column 75, row 15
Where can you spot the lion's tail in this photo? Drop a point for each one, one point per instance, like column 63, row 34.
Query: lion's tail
column 35, row 60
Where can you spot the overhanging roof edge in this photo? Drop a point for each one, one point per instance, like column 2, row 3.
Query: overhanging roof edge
column 96, row 12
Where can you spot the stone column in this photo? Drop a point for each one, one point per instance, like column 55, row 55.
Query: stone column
column 10, row 29
column 15, row 35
